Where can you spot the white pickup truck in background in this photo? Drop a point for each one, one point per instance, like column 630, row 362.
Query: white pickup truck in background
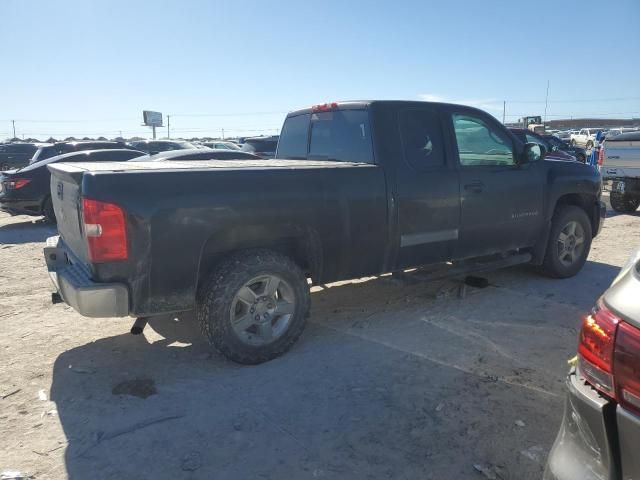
column 621, row 170
column 586, row 138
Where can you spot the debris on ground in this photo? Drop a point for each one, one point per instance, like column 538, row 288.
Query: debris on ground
column 535, row 453
column 520, row 423
column 42, row 395
column 492, row 472
column 192, row 462
column 138, row 387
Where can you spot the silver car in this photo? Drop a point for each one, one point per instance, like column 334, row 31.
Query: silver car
column 600, row 433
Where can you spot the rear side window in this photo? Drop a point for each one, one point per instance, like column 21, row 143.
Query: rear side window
column 341, row 135
column 421, row 139
column 293, row 138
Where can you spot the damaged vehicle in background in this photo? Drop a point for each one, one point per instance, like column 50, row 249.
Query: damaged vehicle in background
column 600, row 433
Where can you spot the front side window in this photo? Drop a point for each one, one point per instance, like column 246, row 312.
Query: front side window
column 421, row 139
column 341, row 135
column 480, row 144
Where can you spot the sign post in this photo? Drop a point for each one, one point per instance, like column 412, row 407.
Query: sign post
column 152, row 119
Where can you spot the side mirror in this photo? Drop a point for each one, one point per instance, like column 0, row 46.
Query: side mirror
column 532, row 152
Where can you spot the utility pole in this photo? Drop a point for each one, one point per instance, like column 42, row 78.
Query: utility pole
column 546, row 103
column 13, row 122
column 223, row 133
column 504, row 110
column 154, row 131
column 169, row 127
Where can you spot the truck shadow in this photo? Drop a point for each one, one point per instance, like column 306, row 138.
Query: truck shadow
column 335, row 405
column 29, row 231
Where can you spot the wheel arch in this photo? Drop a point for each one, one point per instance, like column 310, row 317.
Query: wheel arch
column 587, row 202
column 301, row 244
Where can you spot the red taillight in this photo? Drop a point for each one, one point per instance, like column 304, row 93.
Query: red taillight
column 105, row 231
column 601, row 155
column 596, row 346
column 17, row 183
column 324, row 107
column 626, row 366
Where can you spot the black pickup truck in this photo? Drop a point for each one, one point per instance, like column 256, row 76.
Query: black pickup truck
column 356, row 189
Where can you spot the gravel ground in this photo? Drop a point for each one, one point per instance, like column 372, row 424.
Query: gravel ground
column 393, row 378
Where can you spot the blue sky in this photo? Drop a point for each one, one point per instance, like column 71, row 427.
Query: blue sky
column 90, row 67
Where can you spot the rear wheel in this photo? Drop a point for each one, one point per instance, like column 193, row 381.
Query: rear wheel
column 569, row 242
column 589, row 145
column 623, row 203
column 254, row 306
column 47, row 210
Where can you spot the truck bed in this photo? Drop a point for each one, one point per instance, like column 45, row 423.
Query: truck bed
column 180, row 212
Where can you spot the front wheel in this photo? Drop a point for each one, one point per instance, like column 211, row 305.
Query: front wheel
column 254, row 306
column 569, row 242
column 623, row 203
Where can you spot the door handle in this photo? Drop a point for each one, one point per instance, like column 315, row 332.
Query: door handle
column 475, row 187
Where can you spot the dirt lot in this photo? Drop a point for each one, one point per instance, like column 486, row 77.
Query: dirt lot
column 392, row 379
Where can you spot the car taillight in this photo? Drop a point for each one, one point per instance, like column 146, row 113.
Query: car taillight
column 626, row 366
column 17, row 183
column 595, row 348
column 324, row 107
column 105, row 231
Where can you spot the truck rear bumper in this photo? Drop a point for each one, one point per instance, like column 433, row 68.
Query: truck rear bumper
column 72, row 280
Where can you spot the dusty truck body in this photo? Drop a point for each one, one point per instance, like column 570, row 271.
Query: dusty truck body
column 358, row 188
column 621, row 170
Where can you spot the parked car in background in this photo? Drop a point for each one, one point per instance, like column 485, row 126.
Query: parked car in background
column 157, row 146
column 620, row 166
column 585, row 138
column 221, row 144
column 17, row 155
column 600, row 432
column 60, row 148
column 551, row 153
column 27, row 191
column 614, row 132
column 578, row 152
column 264, row 147
column 198, row 154
column 239, row 241
column 564, row 135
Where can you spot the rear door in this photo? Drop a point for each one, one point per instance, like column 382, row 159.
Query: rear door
column 427, row 190
column 501, row 201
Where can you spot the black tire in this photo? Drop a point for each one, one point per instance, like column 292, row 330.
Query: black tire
column 552, row 265
column 217, row 294
column 47, row 211
column 623, row 203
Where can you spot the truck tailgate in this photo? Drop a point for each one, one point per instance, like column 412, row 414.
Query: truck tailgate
column 66, row 182
column 621, row 158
